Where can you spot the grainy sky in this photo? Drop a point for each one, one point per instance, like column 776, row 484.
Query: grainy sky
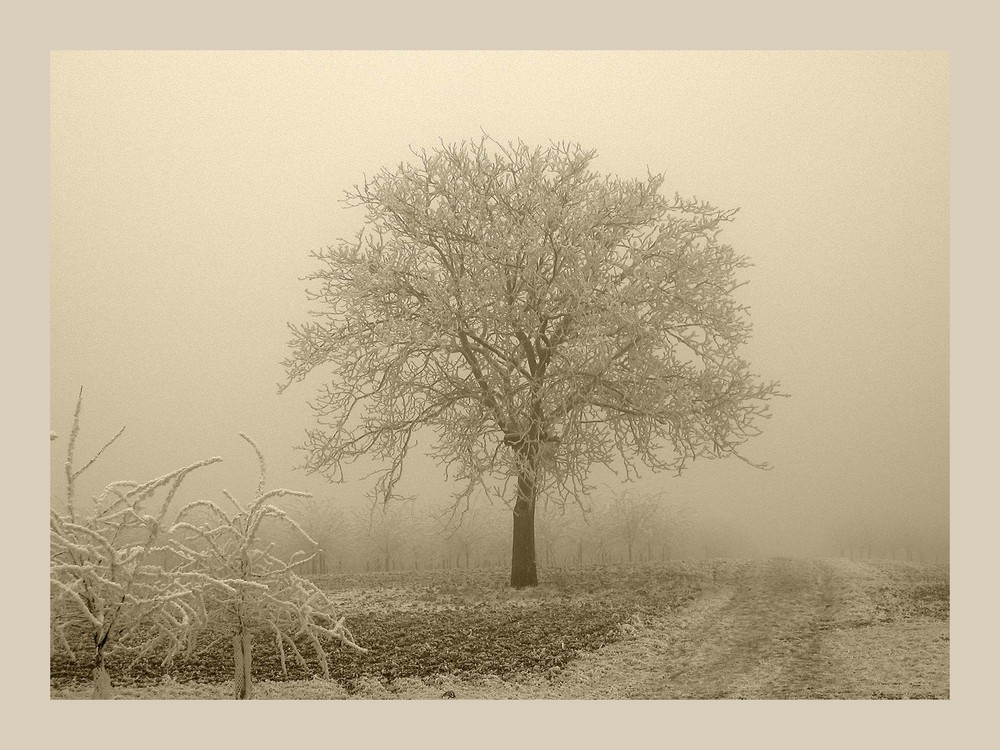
column 187, row 189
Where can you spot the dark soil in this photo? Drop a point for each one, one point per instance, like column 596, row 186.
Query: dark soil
column 470, row 624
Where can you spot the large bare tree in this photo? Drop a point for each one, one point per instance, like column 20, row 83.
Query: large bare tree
column 537, row 317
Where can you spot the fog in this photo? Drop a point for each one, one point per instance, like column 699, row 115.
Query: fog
column 187, row 190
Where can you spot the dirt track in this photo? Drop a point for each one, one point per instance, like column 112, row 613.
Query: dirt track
column 798, row 629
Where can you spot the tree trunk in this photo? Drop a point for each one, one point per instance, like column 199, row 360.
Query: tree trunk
column 523, row 570
column 102, row 680
column 241, row 657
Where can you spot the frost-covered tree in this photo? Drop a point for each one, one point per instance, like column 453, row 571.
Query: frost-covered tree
column 670, row 527
column 464, row 533
column 104, row 588
column 421, row 540
column 323, row 521
column 386, row 533
column 588, row 526
column 537, row 318
column 633, row 516
column 254, row 592
column 552, row 527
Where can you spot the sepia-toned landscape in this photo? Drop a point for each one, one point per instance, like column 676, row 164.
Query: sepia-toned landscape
column 499, row 375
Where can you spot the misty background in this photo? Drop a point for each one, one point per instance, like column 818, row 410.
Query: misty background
column 188, row 188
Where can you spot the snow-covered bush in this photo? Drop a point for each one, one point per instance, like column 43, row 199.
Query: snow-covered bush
column 254, row 591
column 104, row 591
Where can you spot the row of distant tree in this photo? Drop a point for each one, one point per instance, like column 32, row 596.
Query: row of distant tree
column 894, row 537
column 609, row 527
column 623, row 526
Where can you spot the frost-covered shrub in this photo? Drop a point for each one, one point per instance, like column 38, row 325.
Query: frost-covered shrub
column 104, row 591
column 254, row 592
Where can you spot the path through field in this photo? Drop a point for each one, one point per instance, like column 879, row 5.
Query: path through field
column 786, row 629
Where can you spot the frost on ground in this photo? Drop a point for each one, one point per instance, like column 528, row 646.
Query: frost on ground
column 893, row 641
column 757, row 629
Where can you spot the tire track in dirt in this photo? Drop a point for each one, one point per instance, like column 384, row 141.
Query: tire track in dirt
column 618, row 671
column 787, row 629
column 760, row 636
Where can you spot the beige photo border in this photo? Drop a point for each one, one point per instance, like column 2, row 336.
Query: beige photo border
column 36, row 29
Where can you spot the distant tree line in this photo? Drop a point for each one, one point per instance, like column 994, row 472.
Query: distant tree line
column 610, row 526
column 624, row 526
column 870, row 536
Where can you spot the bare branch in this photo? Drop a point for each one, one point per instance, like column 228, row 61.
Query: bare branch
column 519, row 305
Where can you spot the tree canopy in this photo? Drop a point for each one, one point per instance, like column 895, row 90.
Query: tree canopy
column 537, row 316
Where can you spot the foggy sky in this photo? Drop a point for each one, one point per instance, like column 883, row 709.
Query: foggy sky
column 187, row 190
